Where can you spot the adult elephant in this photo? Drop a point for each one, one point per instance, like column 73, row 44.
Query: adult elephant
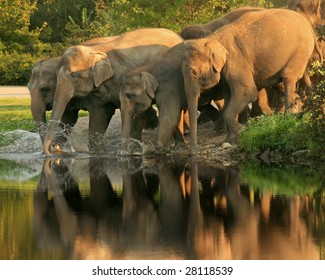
column 255, row 59
column 261, row 106
column 203, row 30
column 312, row 10
column 95, row 71
column 42, row 86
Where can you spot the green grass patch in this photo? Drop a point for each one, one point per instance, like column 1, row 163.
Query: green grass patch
column 15, row 114
column 287, row 133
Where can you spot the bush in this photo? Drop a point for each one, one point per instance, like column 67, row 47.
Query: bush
column 315, row 106
column 286, row 133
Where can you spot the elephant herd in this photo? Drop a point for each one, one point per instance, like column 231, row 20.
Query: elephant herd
column 237, row 58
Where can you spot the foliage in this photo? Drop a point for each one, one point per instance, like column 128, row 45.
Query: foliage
column 57, row 14
column 283, row 180
column 315, row 106
column 277, row 132
column 19, row 46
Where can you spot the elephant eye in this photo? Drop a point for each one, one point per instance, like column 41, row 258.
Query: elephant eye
column 195, row 72
column 130, row 95
column 45, row 90
column 74, row 75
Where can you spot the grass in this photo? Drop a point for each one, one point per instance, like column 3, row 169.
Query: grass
column 15, row 114
column 286, row 133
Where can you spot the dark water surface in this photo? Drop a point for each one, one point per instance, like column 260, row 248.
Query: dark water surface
column 86, row 207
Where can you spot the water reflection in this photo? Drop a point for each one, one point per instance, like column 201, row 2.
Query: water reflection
column 163, row 208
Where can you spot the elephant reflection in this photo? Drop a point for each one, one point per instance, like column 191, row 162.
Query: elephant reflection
column 166, row 209
column 57, row 204
column 103, row 224
column 269, row 228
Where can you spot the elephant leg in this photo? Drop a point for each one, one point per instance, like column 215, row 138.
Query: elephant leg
column 168, row 124
column 241, row 96
column 99, row 119
column 138, row 125
column 290, row 95
column 68, row 120
column 263, row 102
column 219, row 124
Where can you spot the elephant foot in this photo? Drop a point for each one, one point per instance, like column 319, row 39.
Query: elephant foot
column 219, row 129
column 232, row 139
column 180, row 146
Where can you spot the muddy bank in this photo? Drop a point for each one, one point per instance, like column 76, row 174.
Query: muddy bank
column 211, row 147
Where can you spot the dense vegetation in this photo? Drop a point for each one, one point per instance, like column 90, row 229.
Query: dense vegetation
column 34, row 29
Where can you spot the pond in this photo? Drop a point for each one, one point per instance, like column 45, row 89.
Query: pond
column 162, row 207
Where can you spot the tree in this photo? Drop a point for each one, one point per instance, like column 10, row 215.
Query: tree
column 57, row 14
column 19, row 45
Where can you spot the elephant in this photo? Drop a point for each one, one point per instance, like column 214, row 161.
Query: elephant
column 203, row 30
column 254, row 58
column 312, row 10
column 94, row 71
column 42, row 86
column 261, row 106
column 160, row 82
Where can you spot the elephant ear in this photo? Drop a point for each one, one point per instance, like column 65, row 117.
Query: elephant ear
column 102, row 69
column 150, row 84
column 218, row 55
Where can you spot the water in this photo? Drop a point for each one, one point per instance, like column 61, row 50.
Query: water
column 157, row 207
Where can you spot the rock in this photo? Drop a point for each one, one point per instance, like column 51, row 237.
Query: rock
column 226, row 145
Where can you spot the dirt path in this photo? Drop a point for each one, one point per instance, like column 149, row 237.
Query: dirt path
column 14, row 91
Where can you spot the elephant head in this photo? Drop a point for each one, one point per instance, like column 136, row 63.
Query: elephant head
column 42, row 86
column 202, row 62
column 82, row 69
column 310, row 9
column 136, row 95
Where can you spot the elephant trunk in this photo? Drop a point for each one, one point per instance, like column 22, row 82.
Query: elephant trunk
column 192, row 90
column 38, row 109
column 126, row 116
column 59, row 105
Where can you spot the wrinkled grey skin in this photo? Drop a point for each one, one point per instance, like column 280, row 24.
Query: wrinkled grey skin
column 162, row 83
column 95, row 71
column 256, row 59
column 203, row 30
column 312, row 10
column 42, row 86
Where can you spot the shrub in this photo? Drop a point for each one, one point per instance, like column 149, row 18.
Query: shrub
column 286, row 133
